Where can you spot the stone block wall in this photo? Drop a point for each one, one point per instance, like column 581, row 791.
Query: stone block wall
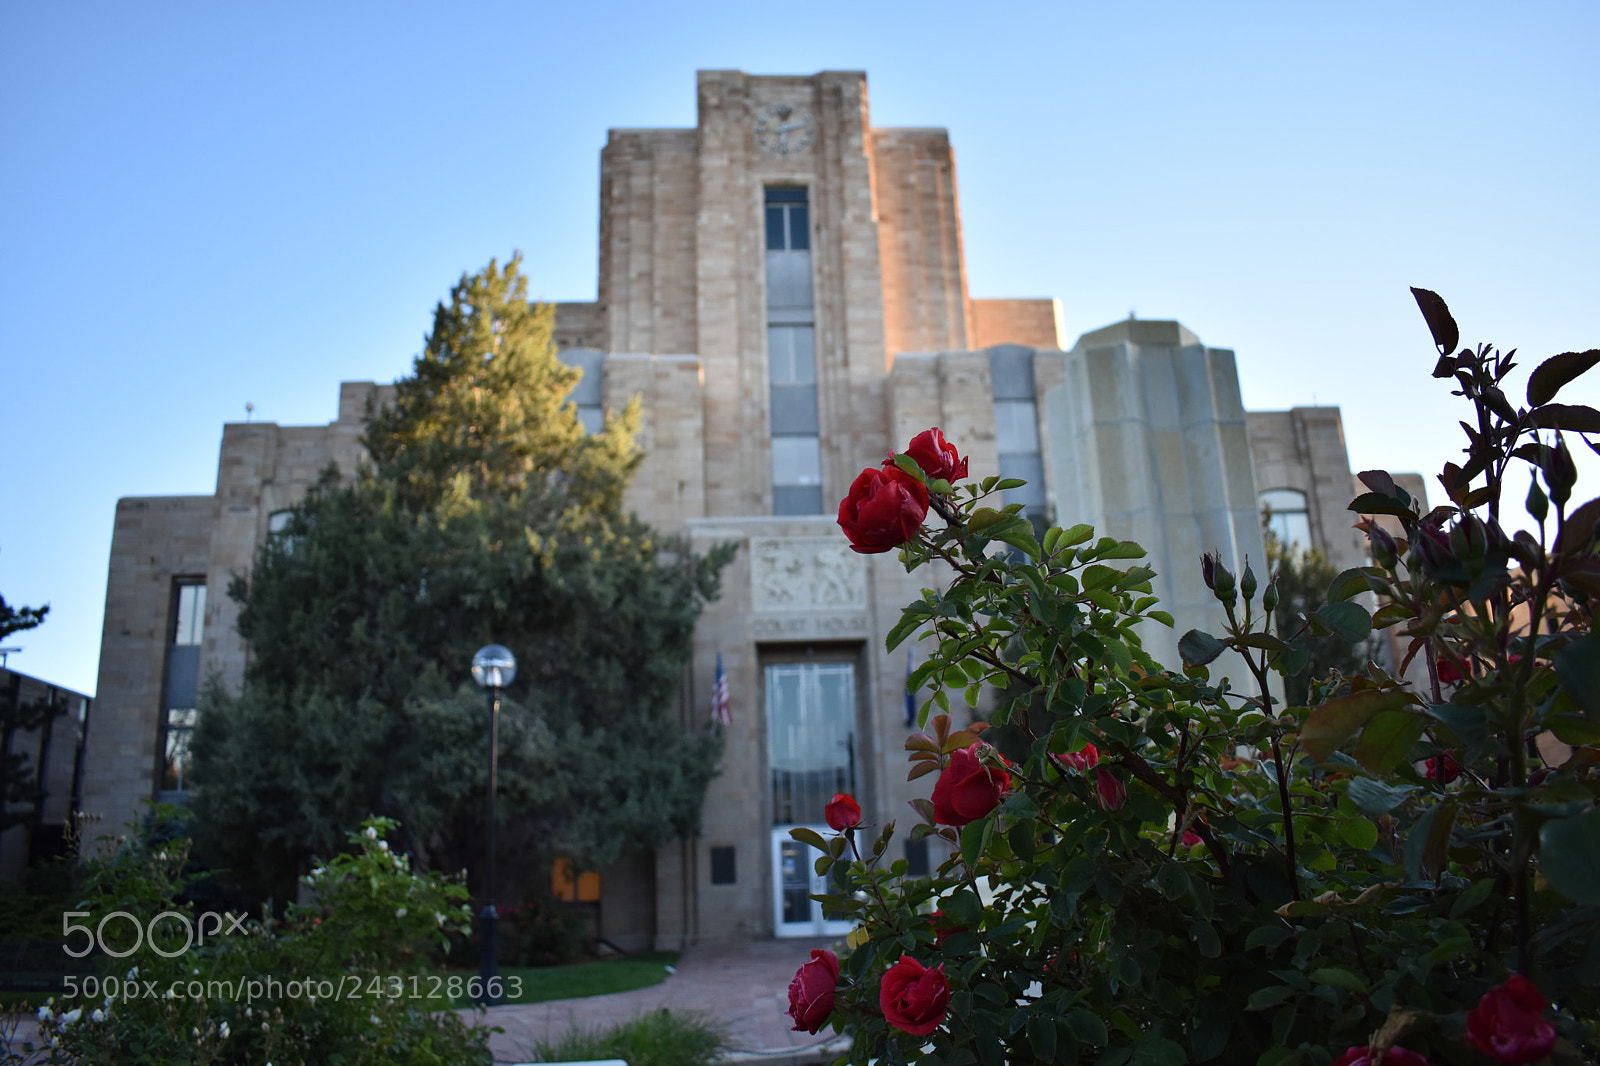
column 1303, row 448
column 1030, row 323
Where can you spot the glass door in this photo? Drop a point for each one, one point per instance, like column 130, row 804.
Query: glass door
column 811, row 713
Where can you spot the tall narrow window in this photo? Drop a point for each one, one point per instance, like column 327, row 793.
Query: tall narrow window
column 1016, row 428
column 792, row 355
column 182, row 682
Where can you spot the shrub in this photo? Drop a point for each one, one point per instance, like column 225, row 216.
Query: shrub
column 1179, row 868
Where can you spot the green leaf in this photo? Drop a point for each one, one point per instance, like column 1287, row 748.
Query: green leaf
column 1199, row 648
column 1267, row 998
column 1472, row 897
column 1266, row 936
column 1161, row 616
column 1429, row 841
column 1352, row 582
column 1578, row 667
column 1042, row 1037
column 1159, row 1051
column 1075, row 536
column 1441, row 323
column 1548, row 377
column 1087, row 1026
column 1387, row 738
column 1575, row 418
column 1332, row 723
column 902, row 629
column 1205, row 938
column 1376, row 798
column 1209, row 1037
column 1339, row 977
column 1359, row 833
column 809, row 836
column 1378, row 503
column 1467, row 722
column 1348, row 621
column 1569, row 855
column 972, row 840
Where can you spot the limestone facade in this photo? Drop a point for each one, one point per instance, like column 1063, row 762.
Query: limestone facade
column 692, row 298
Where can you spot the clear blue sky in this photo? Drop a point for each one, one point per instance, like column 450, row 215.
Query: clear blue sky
column 211, row 204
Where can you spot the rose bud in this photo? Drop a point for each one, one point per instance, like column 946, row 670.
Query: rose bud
column 1269, row 598
column 811, row 991
column 941, row 930
column 1224, row 589
column 843, row 812
column 967, row 790
column 1385, row 552
column 1509, row 1024
column 1111, row 792
column 1395, row 1056
column 1449, row 672
column 1247, row 581
column 1208, row 569
column 912, row 997
column 1081, row 760
column 884, row 509
column 937, row 456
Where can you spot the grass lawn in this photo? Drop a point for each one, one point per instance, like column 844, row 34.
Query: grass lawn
column 541, row 983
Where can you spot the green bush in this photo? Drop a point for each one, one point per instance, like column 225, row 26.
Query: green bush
column 341, row 979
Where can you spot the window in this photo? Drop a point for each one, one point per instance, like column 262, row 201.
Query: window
column 587, row 395
column 1016, row 428
column 182, row 682
column 722, row 868
column 1284, row 515
column 792, row 355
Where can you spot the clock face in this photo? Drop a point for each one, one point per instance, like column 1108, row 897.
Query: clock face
column 784, row 130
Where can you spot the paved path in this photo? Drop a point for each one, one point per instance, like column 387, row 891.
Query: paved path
column 744, row 986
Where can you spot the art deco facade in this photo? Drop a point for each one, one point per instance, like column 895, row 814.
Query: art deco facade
column 784, row 286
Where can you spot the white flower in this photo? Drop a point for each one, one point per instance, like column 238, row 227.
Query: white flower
column 400, row 912
column 264, row 1029
column 376, row 1020
column 168, row 995
column 372, row 834
column 319, row 871
column 439, row 918
column 98, row 1016
column 45, row 1014
column 195, row 1033
column 71, row 1016
column 162, row 856
column 224, row 1030
column 383, row 845
column 133, row 973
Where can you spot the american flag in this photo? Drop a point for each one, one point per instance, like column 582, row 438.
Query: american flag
column 719, row 696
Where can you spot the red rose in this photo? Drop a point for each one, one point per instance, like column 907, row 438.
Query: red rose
column 1081, row 761
column 1191, row 838
column 937, row 456
column 843, row 812
column 1443, row 768
column 914, row 998
column 1395, row 1056
column 884, row 509
column 940, row 930
column 967, row 790
column 811, row 991
column 1449, row 672
column 1111, row 792
column 1508, row 1022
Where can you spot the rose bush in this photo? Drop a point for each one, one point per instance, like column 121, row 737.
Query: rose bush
column 1227, row 878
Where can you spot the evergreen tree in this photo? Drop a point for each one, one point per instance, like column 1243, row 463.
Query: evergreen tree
column 18, row 783
column 487, row 516
column 1303, row 577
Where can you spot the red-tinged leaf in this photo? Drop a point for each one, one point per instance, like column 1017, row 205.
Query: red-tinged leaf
column 1379, row 481
column 1548, row 377
column 1440, row 323
column 1389, row 614
column 1336, row 721
column 919, row 755
column 919, row 742
column 961, row 738
column 1577, row 532
column 1411, row 652
column 924, row 808
column 1574, row 417
column 1378, row 503
column 977, row 727
column 920, row 769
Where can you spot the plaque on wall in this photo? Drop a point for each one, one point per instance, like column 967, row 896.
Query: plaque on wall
column 793, row 574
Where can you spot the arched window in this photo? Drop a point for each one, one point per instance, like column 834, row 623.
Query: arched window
column 1286, row 518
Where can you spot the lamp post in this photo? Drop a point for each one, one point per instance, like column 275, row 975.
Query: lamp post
column 493, row 668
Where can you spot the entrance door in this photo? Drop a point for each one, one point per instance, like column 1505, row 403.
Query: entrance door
column 811, row 715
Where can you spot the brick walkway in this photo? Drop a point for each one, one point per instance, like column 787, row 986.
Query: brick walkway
column 744, row 986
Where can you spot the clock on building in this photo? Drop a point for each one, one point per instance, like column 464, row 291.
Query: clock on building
column 784, row 130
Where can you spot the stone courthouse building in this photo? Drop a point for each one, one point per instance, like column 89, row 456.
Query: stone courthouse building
column 784, row 286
